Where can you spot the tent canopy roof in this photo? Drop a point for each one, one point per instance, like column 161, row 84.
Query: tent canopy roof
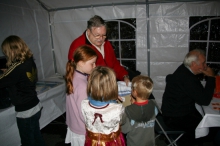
column 74, row 4
column 56, row 5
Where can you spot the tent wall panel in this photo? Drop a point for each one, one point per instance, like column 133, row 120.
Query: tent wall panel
column 141, row 55
column 169, row 24
column 142, row 65
column 185, row 9
column 33, row 27
column 169, row 40
column 168, row 54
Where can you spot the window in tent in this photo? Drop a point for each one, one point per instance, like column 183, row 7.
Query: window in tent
column 122, row 35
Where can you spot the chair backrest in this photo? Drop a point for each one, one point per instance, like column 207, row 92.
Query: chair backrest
column 162, row 126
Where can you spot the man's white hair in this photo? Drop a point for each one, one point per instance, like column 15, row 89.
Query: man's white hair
column 193, row 57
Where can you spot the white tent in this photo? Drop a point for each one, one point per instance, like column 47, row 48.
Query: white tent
column 49, row 27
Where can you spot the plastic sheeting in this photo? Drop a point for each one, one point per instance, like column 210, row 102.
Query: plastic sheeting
column 29, row 20
column 57, row 4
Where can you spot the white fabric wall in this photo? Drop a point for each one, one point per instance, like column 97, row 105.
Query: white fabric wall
column 28, row 20
column 169, row 34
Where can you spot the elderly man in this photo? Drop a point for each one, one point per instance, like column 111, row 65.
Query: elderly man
column 183, row 90
column 95, row 36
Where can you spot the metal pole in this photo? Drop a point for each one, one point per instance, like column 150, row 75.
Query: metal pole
column 148, row 38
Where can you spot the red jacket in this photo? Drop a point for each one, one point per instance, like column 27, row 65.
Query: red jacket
column 110, row 59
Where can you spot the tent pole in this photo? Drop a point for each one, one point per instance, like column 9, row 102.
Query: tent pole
column 43, row 5
column 52, row 45
column 148, row 38
column 51, row 36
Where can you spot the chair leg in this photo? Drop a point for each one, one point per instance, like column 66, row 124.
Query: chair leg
column 174, row 142
column 157, row 136
column 171, row 143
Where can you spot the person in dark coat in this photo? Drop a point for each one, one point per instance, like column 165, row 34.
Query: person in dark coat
column 183, row 90
column 20, row 79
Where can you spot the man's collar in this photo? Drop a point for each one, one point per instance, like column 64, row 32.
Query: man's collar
column 189, row 69
column 86, row 38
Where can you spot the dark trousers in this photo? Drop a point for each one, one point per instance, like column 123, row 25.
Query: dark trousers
column 29, row 131
column 217, row 138
column 186, row 123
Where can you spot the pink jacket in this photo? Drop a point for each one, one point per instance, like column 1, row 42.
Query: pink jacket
column 74, row 117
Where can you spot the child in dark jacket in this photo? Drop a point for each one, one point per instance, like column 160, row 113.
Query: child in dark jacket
column 139, row 117
column 20, row 79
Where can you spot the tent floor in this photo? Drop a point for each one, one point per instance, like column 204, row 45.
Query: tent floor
column 54, row 134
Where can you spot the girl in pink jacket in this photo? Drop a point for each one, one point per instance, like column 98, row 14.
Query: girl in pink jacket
column 77, row 71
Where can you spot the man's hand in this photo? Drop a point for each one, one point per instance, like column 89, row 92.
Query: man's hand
column 126, row 80
column 208, row 72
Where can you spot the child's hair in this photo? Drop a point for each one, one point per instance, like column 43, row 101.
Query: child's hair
column 15, row 49
column 82, row 53
column 143, row 85
column 102, row 84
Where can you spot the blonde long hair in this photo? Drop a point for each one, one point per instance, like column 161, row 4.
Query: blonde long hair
column 102, row 84
column 15, row 49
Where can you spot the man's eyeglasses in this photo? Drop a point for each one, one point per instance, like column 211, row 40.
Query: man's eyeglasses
column 97, row 36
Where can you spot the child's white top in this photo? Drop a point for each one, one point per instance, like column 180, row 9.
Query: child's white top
column 105, row 119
